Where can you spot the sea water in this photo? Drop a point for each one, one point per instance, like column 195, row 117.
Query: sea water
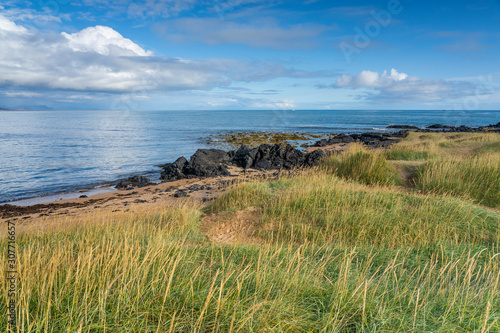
column 49, row 152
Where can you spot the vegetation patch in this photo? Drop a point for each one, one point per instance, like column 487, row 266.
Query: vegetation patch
column 477, row 178
column 234, row 140
column 407, row 154
column 322, row 209
column 368, row 167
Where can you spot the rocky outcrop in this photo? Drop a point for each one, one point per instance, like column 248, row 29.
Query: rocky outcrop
column 439, row 126
column 214, row 162
column 369, row 139
column 136, row 181
column 314, row 158
column 407, row 127
column 207, row 163
column 464, row 129
column 277, row 156
column 174, row 171
column 204, row 163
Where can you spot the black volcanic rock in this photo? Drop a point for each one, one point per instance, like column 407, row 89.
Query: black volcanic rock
column 339, row 138
column 277, row 156
column 136, row 181
column 204, row 163
column 314, row 158
column 208, row 163
column 174, row 171
column 439, row 126
column 245, row 156
column 371, row 139
column 407, row 127
column 214, row 162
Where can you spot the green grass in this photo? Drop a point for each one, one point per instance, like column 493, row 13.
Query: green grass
column 321, row 209
column 465, row 165
column 489, row 148
column 407, row 155
column 477, row 178
column 334, row 254
column 138, row 275
column 366, row 167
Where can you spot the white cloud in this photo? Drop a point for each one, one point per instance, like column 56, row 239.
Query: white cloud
column 105, row 41
column 40, row 19
column 371, row 79
column 401, row 88
column 7, row 26
column 100, row 59
column 26, row 94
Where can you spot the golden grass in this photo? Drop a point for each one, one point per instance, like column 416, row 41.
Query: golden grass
column 338, row 256
column 368, row 167
column 157, row 274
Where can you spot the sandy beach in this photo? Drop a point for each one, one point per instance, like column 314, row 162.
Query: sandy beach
column 199, row 191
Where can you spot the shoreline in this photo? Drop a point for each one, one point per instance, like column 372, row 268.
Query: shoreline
column 42, row 206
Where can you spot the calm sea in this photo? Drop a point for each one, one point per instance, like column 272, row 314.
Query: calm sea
column 49, row 152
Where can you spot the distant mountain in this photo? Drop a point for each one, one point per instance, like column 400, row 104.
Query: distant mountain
column 4, row 109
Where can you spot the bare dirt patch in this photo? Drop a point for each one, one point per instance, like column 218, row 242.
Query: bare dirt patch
column 238, row 227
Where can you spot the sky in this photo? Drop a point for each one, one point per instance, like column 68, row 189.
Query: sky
column 249, row 54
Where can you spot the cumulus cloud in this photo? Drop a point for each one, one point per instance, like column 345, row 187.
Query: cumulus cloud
column 101, row 59
column 105, row 41
column 7, row 26
column 370, row 79
column 399, row 87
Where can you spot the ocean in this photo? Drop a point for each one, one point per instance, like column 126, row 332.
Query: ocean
column 51, row 152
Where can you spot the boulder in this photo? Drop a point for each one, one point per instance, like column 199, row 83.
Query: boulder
column 341, row 138
column 174, row 171
column 207, row 163
column 245, row 156
column 136, row 181
column 277, row 156
column 314, row 158
column 321, row 143
column 209, row 156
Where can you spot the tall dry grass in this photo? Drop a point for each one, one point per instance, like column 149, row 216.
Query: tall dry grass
column 360, row 165
column 336, row 256
column 156, row 274
column 322, row 209
column 476, row 178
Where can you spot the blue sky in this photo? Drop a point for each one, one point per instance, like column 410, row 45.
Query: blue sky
column 249, row 54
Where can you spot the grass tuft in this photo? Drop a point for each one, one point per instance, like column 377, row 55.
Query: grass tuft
column 368, row 167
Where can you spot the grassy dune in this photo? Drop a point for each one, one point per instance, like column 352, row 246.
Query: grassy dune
column 338, row 249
